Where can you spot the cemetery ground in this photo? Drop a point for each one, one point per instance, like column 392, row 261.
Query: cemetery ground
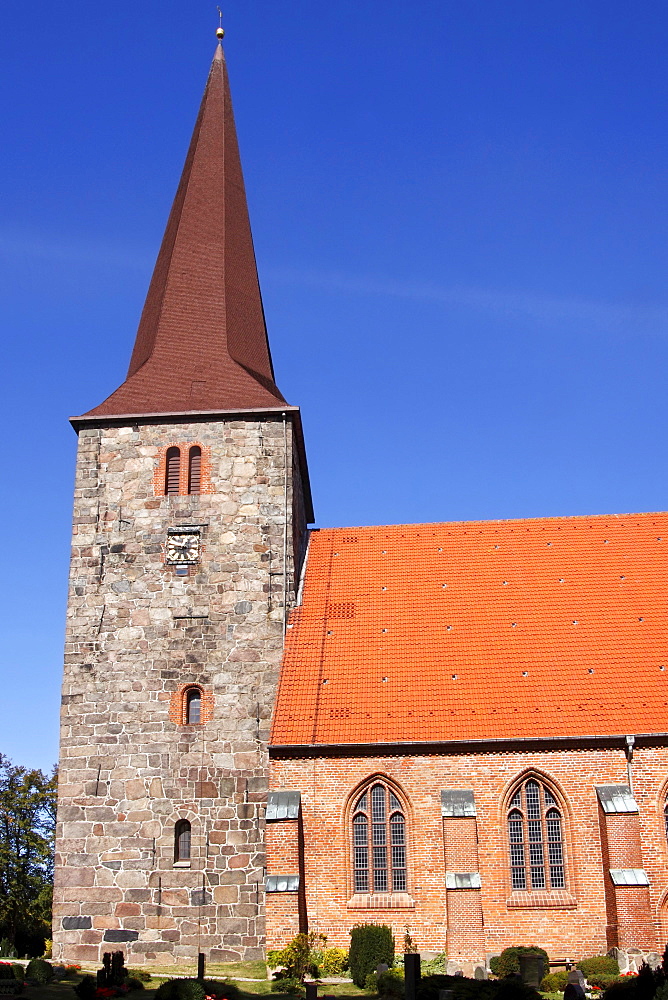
column 260, row 986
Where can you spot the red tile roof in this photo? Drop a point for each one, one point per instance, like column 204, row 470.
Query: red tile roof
column 202, row 341
column 555, row 627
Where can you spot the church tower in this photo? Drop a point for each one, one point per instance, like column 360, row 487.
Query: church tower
column 190, row 512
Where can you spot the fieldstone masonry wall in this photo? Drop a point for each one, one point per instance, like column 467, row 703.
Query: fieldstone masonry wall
column 137, row 633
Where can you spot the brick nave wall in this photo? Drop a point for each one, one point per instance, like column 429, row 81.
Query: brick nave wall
column 136, row 635
column 571, row 924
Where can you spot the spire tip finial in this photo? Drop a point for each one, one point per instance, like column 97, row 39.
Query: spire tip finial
column 220, row 31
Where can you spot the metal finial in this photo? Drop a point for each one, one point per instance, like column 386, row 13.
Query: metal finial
column 220, row 31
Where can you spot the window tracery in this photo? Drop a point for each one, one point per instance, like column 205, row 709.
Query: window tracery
column 379, row 841
column 535, row 838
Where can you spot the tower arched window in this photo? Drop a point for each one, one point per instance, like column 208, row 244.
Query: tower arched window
column 535, row 838
column 172, row 471
column 193, row 706
column 182, row 841
column 379, row 841
column 195, row 469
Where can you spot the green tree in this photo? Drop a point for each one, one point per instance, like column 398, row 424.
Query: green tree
column 27, row 825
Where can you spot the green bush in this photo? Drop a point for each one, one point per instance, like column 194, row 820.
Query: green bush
column 134, row 984
column 215, row 988
column 370, row 945
column 296, row 958
column 334, row 962
column 475, row 989
column 85, row 989
column 141, row 974
column 555, row 982
column 19, row 972
column 436, row 966
column 39, row 971
column 605, row 964
column 391, row 984
column 181, row 989
column 602, row 980
column 508, row 961
column 288, row 984
column 6, row 971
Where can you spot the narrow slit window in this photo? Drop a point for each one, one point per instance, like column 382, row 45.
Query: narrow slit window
column 195, row 469
column 182, row 841
column 172, row 471
column 193, row 706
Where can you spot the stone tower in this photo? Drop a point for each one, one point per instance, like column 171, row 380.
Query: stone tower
column 190, row 513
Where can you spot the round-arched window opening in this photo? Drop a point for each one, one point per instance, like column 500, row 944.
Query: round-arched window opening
column 182, row 841
column 172, row 471
column 193, row 711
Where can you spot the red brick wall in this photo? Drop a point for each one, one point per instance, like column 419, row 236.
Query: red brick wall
column 568, row 924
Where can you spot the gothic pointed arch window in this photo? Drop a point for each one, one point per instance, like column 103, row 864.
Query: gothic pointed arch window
column 665, row 816
column 379, row 840
column 535, row 838
column 172, row 471
column 195, row 469
column 182, row 841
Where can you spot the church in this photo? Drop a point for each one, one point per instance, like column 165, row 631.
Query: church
column 456, row 729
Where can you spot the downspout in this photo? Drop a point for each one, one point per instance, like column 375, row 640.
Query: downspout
column 630, row 743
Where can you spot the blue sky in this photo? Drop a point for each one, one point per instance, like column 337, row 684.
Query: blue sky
column 460, row 220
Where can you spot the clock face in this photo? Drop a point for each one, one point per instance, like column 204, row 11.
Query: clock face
column 182, row 548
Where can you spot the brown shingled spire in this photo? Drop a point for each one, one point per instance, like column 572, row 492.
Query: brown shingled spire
column 202, row 340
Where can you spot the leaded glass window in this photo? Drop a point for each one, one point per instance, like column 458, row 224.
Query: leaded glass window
column 535, row 838
column 379, row 841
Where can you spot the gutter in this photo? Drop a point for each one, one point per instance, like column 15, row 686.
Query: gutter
column 443, row 747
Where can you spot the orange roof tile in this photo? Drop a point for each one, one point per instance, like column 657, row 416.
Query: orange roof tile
column 554, row 627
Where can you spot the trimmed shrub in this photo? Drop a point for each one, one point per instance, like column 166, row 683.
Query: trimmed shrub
column 6, row 971
column 181, row 989
column 19, row 972
column 85, row 990
column 39, row 971
column 134, row 984
column 59, row 972
column 370, row 945
column 605, row 964
column 555, row 982
column 334, row 962
column 508, row 962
